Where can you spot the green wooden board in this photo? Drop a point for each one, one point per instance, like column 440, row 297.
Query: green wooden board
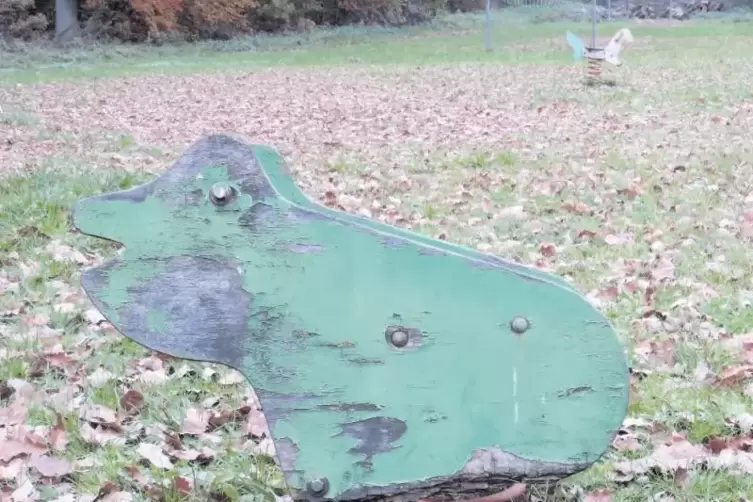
column 389, row 365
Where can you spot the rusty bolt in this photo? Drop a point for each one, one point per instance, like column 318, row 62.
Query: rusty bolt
column 399, row 338
column 318, row 486
column 519, row 325
column 221, row 193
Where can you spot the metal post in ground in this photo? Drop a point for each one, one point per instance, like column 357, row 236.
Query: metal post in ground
column 593, row 22
column 488, row 26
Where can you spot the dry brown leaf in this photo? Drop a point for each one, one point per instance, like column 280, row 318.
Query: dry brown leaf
column 152, row 363
column 137, row 476
column 657, row 355
column 51, row 467
column 63, row 252
column 741, row 345
column 598, row 496
column 149, row 377
column 682, row 478
column 99, row 378
column 205, row 454
column 101, row 415
column 183, row 486
column 733, row 460
column 232, row 378
column 117, row 497
column 735, row 375
column 547, row 250
column 626, row 442
column 13, row 414
column 12, row 448
column 93, row 316
column 67, row 400
column 716, row 445
column 101, row 435
column 196, row 421
column 663, row 269
column 255, row 424
column 263, row 447
column 616, row 240
column 679, row 453
column 10, row 470
column 154, row 454
column 25, row 492
column 58, row 436
column 132, row 401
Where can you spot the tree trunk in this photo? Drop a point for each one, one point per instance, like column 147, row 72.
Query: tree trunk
column 66, row 20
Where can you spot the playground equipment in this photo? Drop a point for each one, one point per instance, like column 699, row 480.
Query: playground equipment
column 390, row 366
column 594, row 55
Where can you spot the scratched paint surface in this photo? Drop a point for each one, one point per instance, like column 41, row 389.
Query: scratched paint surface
column 299, row 298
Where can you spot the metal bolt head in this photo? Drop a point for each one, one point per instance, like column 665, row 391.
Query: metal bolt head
column 519, row 324
column 318, row 486
column 221, row 193
column 399, row 338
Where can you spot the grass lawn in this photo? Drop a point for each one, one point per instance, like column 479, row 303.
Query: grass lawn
column 640, row 194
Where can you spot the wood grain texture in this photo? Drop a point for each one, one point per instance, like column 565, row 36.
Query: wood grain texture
column 303, row 300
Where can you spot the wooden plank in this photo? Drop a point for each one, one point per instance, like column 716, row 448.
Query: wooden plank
column 389, row 365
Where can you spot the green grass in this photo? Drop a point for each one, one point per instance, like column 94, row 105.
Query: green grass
column 455, row 39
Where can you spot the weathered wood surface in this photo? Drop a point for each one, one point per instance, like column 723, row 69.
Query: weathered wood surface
column 388, row 364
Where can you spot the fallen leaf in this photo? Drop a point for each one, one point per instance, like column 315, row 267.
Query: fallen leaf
column 183, row 485
column 615, row 240
column 13, row 414
column 598, row 496
column 547, row 250
column 663, row 269
column 255, row 424
column 154, row 455
column 132, row 401
column 51, row 467
column 12, row 448
column 25, row 492
column 678, row 453
column 99, row 378
column 716, row 445
column 682, row 478
column 149, row 377
column 100, row 435
column 735, row 375
column 117, row 497
column 626, row 442
column 196, row 422
column 10, row 470
column 232, row 378
column 101, row 415
column 58, row 436
column 733, row 460
column 94, row 316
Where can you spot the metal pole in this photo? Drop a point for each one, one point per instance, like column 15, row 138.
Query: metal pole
column 593, row 28
column 66, row 20
column 488, row 26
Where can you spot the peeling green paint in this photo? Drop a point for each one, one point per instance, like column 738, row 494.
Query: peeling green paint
column 279, row 177
column 157, row 321
column 322, row 288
